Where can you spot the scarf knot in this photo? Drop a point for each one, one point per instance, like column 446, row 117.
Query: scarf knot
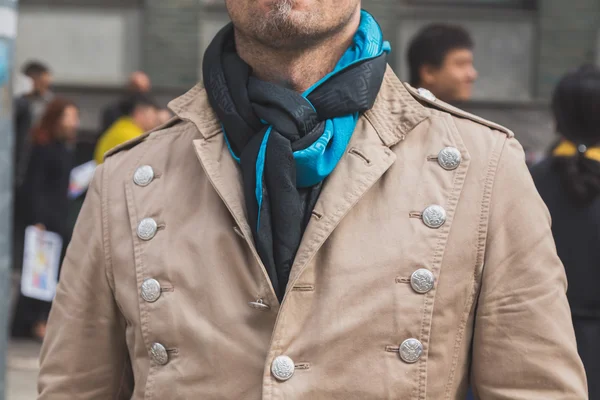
column 286, row 142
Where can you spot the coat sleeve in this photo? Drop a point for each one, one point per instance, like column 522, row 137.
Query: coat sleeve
column 523, row 346
column 84, row 355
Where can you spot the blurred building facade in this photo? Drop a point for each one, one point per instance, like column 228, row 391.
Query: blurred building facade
column 522, row 47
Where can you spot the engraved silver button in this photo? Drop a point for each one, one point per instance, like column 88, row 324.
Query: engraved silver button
column 147, row 229
column 434, row 216
column 150, row 290
column 422, row 280
column 143, row 175
column 411, row 350
column 159, row 354
column 282, row 368
column 426, row 94
column 259, row 305
column 449, row 158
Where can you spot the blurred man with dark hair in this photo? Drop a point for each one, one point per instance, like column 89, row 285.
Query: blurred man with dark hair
column 141, row 115
column 139, row 82
column 440, row 58
column 41, row 95
column 28, row 108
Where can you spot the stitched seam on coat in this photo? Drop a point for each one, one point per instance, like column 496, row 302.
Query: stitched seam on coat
column 139, row 270
column 109, row 264
column 455, row 191
column 105, row 231
column 481, row 242
column 486, row 202
column 460, row 331
column 108, row 268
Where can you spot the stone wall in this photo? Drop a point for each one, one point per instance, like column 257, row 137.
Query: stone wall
column 93, row 47
column 568, row 38
column 520, row 52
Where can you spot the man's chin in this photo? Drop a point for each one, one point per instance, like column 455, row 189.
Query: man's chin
column 295, row 5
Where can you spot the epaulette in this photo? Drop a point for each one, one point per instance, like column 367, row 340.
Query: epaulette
column 134, row 142
column 429, row 98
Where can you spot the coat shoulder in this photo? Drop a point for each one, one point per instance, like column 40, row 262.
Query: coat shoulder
column 134, row 142
column 429, row 100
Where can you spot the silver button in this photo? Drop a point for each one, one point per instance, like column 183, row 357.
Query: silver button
column 282, row 368
column 422, row 280
column 259, row 305
column 147, row 229
column 426, row 94
column 143, row 175
column 449, row 158
column 411, row 350
column 434, row 216
column 159, row 354
column 150, row 290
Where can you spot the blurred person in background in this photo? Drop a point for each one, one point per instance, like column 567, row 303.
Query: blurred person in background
column 141, row 115
column 32, row 95
column 22, row 85
column 440, row 59
column 139, row 83
column 41, row 95
column 569, row 183
column 28, row 109
column 44, row 195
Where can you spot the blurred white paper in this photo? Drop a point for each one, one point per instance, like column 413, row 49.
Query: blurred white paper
column 40, row 264
column 81, row 176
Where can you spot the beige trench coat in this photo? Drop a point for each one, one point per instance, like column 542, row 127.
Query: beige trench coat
column 496, row 315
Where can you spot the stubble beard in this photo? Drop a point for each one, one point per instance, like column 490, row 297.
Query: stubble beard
column 283, row 29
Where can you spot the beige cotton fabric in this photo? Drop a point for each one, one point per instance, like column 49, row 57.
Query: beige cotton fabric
column 497, row 315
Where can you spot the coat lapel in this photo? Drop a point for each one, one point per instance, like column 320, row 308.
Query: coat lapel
column 220, row 168
column 368, row 157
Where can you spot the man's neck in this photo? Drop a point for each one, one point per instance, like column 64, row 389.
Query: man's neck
column 297, row 69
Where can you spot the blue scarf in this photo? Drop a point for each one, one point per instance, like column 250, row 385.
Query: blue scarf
column 287, row 143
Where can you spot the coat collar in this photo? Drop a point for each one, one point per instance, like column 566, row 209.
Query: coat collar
column 395, row 112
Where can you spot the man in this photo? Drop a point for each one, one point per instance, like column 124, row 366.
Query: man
column 141, row 115
column 355, row 242
column 41, row 95
column 28, row 107
column 440, row 58
column 139, row 83
column 28, row 110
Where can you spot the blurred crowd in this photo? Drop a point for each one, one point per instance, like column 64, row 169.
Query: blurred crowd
column 441, row 63
column 45, row 139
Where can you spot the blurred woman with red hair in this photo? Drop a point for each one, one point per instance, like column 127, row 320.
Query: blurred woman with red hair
column 44, row 194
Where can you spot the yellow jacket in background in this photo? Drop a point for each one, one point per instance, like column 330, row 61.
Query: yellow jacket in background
column 123, row 130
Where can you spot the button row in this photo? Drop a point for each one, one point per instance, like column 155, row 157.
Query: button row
column 283, row 368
